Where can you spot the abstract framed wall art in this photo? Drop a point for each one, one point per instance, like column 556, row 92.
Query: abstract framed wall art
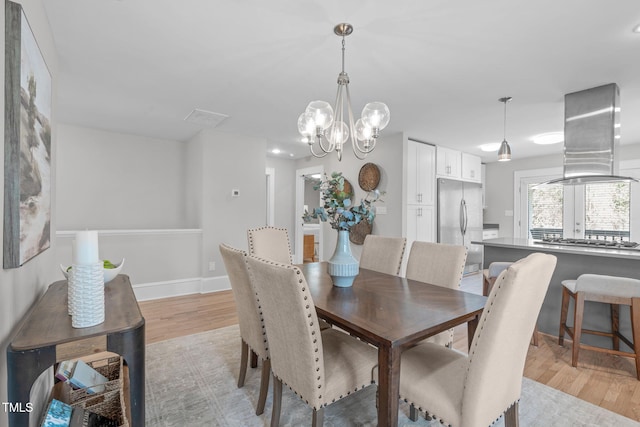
column 27, row 143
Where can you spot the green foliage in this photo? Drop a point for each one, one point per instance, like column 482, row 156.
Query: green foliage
column 338, row 209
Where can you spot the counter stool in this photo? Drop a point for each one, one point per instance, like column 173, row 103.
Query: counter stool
column 489, row 277
column 609, row 290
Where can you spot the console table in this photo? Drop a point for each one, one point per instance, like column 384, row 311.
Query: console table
column 46, row 336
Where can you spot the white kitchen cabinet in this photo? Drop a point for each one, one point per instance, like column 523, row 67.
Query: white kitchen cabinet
column 490, row 233
column 448, row 163
column 471, row 168
column 420, row 173
column 421, row 222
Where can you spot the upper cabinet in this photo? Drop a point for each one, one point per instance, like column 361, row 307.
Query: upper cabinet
column 454, row 164
column 420, row 177
column 471, row 168
column 448, row 163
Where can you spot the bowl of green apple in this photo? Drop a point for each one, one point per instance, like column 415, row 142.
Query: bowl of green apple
column 109, row 269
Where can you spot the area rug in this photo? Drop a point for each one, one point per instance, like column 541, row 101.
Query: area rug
column 191, row 381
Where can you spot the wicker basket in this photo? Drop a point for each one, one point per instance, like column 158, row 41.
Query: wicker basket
column 110, row 402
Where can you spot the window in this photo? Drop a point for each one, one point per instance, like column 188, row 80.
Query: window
column 606, row 211
column 545, row 210
column 587, row 211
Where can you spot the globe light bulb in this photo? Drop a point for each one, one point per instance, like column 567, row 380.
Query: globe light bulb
column 363, row 132
column 306, row 125
column 322, row 114
column 338, row 133
column 376, row 115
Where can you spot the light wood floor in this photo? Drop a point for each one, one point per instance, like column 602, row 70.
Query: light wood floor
column 604, row 380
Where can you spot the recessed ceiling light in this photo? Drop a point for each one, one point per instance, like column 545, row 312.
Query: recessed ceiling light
column 548, row 138
column 275, row 151
column 492, row 146
column 636, row 29
column 290, row 154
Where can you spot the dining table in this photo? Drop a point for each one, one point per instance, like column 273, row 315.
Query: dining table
column 392, row 313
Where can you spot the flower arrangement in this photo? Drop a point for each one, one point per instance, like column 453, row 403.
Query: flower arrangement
column 338, row 208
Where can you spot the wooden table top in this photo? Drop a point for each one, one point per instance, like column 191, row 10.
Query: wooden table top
column 389, row 310
column 49, row 324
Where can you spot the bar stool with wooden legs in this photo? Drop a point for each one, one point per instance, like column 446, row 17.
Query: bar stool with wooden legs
column 609, row 290
column 489, row 277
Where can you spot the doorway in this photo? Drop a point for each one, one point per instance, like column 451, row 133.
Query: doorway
column 304, row 180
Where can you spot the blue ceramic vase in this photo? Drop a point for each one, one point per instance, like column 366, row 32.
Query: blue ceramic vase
column 343, row 267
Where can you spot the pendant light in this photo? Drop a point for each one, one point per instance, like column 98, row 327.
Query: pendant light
column 504, row 153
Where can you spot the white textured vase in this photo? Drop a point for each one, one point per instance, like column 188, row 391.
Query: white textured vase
column 86, row 294
column 343, row 267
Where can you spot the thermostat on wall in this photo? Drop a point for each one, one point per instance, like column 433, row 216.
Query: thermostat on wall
column 235, row 193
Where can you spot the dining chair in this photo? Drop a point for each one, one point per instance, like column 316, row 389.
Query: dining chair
column 438, row 264
column 270, row 243
column 476, row 389
column 320, row 367
column 251, row 324
column 489, row 276
column 383, row 254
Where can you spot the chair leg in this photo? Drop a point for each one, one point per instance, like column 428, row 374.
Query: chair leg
column 244, row 356
column 534, row 336
column 264, row 385
column 485, row 285
column 318, row 417
column 563, row 315
column 511, row 416
column 277, row 402
column 254, row 359
column 577, row 327
column 413, row 412
column 615, row 326
column 635, row 330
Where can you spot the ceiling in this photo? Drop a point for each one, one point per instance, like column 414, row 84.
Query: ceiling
column 141, row 66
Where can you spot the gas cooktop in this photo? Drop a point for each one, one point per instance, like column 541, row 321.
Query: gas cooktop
column 592, row 243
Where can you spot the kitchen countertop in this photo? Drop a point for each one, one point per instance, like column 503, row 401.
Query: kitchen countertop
column 515, row 242
column 572, row 262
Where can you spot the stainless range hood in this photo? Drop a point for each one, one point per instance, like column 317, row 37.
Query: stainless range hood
column 591, row 133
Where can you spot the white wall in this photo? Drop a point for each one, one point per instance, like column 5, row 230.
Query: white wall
column 499, row 183
column 227, row 162
column 108, row 180
column 285, row 194
column 21, row 287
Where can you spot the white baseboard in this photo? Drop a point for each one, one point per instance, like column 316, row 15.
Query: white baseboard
column 215, row 284
column 174, row 288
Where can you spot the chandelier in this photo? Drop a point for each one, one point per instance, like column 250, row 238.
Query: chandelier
column 324, row 126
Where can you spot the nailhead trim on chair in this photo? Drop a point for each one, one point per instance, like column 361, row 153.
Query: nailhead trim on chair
column 250, row 235
column 479, row 332
column 317, row 359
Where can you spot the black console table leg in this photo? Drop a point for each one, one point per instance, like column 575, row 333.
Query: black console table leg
column 23, row 368
column 131, row 346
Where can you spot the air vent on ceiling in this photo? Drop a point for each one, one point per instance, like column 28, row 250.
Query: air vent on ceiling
column 205, row 118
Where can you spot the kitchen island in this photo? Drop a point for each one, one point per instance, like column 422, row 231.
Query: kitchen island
column 572, row 262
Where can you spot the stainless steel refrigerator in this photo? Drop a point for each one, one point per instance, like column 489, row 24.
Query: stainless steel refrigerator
column 460, row 218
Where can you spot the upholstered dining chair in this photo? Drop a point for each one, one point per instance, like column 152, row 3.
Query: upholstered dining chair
column 476, row 389
column 438, row 264
column 383, row 254
column 251, row 324
column 489, row 276
column 270, row 243
column 320, row 367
